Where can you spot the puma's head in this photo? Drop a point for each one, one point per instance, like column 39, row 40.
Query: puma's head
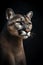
column 19, row 25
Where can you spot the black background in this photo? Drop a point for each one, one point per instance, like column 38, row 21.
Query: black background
column 33, row 46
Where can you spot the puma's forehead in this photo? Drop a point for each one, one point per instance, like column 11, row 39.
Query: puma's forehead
column 18, row 17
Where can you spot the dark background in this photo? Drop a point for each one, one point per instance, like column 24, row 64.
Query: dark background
column 33, row 46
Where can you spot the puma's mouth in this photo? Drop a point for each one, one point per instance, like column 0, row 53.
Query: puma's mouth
column 25, row 34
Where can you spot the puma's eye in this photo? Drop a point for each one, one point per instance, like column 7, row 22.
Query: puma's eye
column 28, row 23
column 22, row 23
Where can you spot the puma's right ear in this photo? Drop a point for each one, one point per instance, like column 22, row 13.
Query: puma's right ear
column 9, row 14
column 30, row 14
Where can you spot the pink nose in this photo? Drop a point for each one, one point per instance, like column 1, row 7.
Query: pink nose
column 27, row 30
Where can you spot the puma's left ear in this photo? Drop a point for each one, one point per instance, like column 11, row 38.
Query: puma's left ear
column 30, row 14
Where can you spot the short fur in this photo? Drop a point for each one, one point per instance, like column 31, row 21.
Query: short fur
column 17, row 28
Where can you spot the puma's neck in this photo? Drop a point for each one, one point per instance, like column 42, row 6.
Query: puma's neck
column 11, row 40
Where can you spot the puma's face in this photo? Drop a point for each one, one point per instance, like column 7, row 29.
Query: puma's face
column 19, row 25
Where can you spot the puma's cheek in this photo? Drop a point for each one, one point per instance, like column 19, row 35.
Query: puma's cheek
column 25, row 37
column 30, row 27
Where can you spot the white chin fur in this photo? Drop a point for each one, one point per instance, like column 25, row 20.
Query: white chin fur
column 18, row 26
column 25, row 37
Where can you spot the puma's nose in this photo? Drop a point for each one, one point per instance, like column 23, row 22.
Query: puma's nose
column 27, row 30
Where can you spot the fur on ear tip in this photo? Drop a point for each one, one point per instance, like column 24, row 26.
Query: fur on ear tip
column 30, row 14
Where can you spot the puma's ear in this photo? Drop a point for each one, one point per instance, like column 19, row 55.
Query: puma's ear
column 30, row 14
column 9, row 14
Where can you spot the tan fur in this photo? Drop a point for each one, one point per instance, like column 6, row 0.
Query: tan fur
column 11, row 42
column 15, row 51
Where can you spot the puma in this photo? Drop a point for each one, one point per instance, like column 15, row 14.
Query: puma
column 17, row 28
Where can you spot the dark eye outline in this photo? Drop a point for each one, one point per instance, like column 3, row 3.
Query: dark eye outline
column 21, row 22
column 11, row 24
column 28, row 23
